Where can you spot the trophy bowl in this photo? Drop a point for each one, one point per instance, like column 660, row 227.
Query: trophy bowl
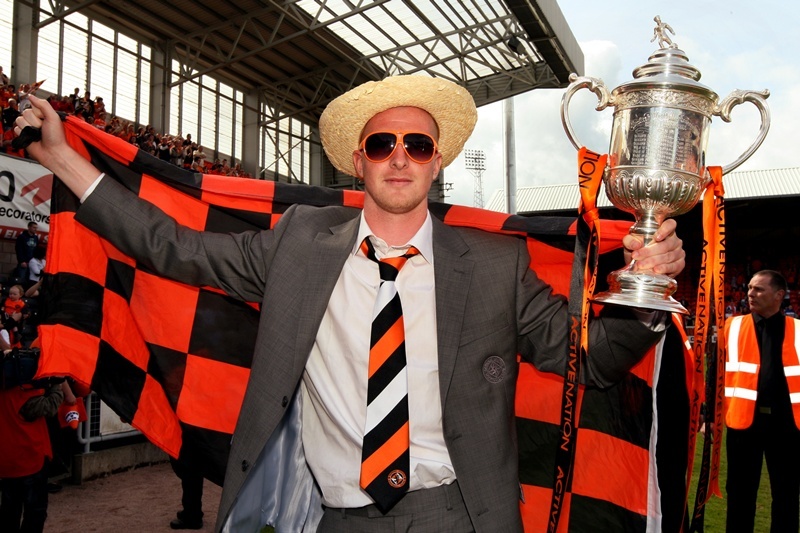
column 656, row 166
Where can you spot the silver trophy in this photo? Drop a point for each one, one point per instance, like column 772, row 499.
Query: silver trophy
column 657, row 165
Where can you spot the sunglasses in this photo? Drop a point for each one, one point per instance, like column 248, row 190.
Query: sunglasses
column 378, row 147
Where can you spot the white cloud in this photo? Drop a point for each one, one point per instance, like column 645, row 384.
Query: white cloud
column 737, row 48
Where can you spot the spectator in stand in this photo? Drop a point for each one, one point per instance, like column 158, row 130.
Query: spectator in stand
column 3, row 78
column 99, row 109
column 149, row 144
column 197, row 165
column 35, row 266
column 164, row 148
column 76, row 98
column 116, row 126
column 78, row 113
column 225, row 167
column 25, row 453
column 140, row 136
column 66, row 105
column 176, row 152
column 129, row 134
column 7, row 92
column 14, row 314
column 200, row 153
column 87, row 107
column 8, row 144
column 10, row 114
column 26, row 243
column 188, row 152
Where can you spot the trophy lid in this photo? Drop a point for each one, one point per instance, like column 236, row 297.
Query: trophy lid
column 667, row 68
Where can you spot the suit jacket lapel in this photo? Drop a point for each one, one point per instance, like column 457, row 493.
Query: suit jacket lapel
column 453, row 273
column 330, row 251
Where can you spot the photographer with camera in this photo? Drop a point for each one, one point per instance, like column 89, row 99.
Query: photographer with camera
column 25, row 450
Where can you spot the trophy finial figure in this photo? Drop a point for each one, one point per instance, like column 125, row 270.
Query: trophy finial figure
column 661, row 31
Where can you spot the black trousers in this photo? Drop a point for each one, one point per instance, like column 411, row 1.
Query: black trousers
column 777, row 439
column 192, row 492
column 24, row 506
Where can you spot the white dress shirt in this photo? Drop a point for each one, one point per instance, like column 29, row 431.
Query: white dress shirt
column 334, row 384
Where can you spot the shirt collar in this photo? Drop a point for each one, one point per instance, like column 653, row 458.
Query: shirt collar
column 422, row 240
column 777, row 317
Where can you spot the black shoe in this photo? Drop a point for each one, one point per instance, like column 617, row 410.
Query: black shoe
column 177, row 523
column 52, row 488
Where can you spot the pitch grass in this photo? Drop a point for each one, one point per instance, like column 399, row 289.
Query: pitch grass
column 717, row 507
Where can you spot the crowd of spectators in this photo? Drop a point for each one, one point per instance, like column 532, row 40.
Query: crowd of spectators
column 737, row 277
column 177, row 149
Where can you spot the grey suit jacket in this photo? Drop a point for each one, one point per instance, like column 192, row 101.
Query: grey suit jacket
column 489, row 307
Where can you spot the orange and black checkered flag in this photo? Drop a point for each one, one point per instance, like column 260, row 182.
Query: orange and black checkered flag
column 174, row 360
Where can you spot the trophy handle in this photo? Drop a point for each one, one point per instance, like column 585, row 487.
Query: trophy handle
column 723, row 110
column 580, row 82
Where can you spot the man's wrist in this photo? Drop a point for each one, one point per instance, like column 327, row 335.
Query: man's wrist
column 92, row 187
column 655, row 320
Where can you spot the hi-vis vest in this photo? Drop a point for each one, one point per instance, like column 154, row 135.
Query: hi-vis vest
column 743, row 364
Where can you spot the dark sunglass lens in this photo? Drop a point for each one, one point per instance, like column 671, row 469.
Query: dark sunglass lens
column 379, row 146
column 419, row 147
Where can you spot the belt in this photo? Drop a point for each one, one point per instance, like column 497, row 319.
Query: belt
column 443, row 496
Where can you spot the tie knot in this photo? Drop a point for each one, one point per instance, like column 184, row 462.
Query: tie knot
column 388, row 267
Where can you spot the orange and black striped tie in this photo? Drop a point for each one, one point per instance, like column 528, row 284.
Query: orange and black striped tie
column 384, row 455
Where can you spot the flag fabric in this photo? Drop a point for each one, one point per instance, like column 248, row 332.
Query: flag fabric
column 174, row 360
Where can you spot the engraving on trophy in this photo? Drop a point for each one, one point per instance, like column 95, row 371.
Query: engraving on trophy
column 674, row 143
column 656, row 98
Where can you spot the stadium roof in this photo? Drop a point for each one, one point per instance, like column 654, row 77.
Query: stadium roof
column 738, row 186
column 300, row 54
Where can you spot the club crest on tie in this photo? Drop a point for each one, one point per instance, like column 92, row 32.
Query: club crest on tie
column 494, row 369
column 397, row 479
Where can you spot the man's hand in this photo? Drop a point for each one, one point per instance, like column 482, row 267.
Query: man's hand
column 53, row 151
column 664, row 255
column 41, row 115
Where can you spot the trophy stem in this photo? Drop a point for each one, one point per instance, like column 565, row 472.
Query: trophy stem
column 647, row 224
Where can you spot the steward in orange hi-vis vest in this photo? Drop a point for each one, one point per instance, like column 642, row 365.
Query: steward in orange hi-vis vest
column 743, row 364
column 762, row 380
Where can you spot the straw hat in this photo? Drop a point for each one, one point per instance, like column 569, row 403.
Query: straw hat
column 450, row 105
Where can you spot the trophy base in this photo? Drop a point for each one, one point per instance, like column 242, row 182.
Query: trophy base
column 641, row 289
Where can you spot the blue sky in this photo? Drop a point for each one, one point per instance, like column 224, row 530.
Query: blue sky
column 735, row 45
